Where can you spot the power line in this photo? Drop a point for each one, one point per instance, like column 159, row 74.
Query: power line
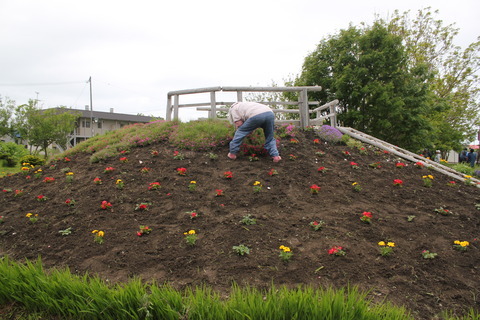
column 39, row 84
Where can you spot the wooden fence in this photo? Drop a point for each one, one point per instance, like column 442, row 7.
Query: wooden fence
column 321, row 113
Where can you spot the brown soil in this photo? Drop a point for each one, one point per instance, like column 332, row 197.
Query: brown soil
column 283, row 210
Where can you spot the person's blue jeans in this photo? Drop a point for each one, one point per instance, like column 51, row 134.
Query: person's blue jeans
column 265, row 121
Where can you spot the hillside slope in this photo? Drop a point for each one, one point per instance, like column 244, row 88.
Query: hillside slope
column 283, row 209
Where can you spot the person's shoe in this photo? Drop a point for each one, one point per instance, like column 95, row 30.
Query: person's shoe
column 232, row 156
column 277, row 158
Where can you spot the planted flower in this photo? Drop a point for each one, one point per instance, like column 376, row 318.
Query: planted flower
column 400, row 165
column 397, row 182
column 461, row 245
column 119, row 184
column 375, row 165
column 228, row 175
column 427, row 180
column 356, row 187
column 257, row 186
column 468, row 180
column 69, row 176
column 97, row 180
column 178, row 156
column 70, row 202
column 145, row 170
column 292, row 157
column 219, row 192
column 109, row 170
column 98, row 236
column 362, row 150
column 337, row 251
column 2, row 219
column 316, row 225
column 314, row 189
column 316, row 141
column 32, row 217
column 49, row 179
column 285, row 253
column 451, row 184
column 142, row 206
column 193, row 214
column 191, row 237
column 272, row 172
column 248, row 220
column 241, row 250
column 253, row 157
column 192, row 186
column 354, row 165
column 366, row 217
column 41, row 198
column 386, row 248
column 426, row 254
column 182, row 171
column 443, row 211
column 419, row 165
column 66, row 159
column 144, row 230
column 123, row 159
column 346, row 153
column 38, row 173
column 322, row 169
column 105, row 205
column 18, row 193
column 294, row 141
column 154, row 153
column 320, row 153
column 154, row 186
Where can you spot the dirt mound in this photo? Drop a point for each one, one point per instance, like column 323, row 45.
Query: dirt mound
column 283, row 209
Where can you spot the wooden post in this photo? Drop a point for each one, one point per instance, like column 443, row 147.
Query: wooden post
column 169, row 108
column 213, row 106
column 239, row 96
column 175, row 107
column 303, row 106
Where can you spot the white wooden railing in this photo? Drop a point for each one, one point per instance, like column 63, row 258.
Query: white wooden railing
column 322, row 112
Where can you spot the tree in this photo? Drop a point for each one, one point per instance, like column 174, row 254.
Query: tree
column 6, row 112
column 455, row 82
column 51, row 126
column 368, row 71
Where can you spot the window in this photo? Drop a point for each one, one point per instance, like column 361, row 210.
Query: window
column 99, row 124
column 85, row 124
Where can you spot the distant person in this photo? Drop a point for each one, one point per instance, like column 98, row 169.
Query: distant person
column 463, row 156
column 248, row 116
column 471, row 157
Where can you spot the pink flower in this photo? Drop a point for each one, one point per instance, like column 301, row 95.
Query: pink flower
column 105, row 205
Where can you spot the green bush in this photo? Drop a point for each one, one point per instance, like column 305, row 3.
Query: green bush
column 33, row 160
column 11, row 153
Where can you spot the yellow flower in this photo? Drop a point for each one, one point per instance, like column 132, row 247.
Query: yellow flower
column 100, row 233
column 391, row 244
column 456, row 242
column 464, row 243
column 381, row 243
column 69, row 173
column 354, row 183
column 467, row 176
column 94, row 231
column 28, row 215
column 281, row 247
column 286, row 249
column 191, row 232
column 430, row 176
column 193, row 182
column 118, row 181
column 257, row 183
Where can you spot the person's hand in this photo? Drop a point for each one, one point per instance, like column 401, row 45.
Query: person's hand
column 238, row 123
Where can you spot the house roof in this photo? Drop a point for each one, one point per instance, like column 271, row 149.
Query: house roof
column 109, row 115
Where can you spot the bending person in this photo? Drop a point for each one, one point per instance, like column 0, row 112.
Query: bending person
column 248, row 116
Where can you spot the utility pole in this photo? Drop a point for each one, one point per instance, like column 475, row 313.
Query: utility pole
column 91, row 106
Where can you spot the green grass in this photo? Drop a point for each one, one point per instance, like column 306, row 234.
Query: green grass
column 61, row 294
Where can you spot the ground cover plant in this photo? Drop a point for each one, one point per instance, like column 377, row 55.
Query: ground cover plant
column 103, row 237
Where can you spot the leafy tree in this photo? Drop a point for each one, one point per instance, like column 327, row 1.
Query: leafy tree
column 50, row 126
column 6, row 112
column 455, row 82
column 380, row 93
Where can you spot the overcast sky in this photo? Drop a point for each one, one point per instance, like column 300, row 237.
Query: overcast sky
column 138, row 51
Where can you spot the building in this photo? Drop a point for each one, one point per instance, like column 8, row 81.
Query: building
column 91, row 123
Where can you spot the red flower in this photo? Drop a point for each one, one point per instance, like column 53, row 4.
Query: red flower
column 139, row 234
column 321, row 169
column 228, row 174
column 123, row 159
column 182, row 171
column 353, row 163
column 105, row 205
column 397, row 182
column 314, row 188
column 142, row 207
column 367, row 214
column 66, row 159
column 48, row 179
column 219, row 192
column 316, row 141
column 193, row 215
column 334, row 250
column 400, row 164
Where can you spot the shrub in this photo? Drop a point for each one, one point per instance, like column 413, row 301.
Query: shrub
column 33, row 160
column 11, row 152
column 330, row 134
